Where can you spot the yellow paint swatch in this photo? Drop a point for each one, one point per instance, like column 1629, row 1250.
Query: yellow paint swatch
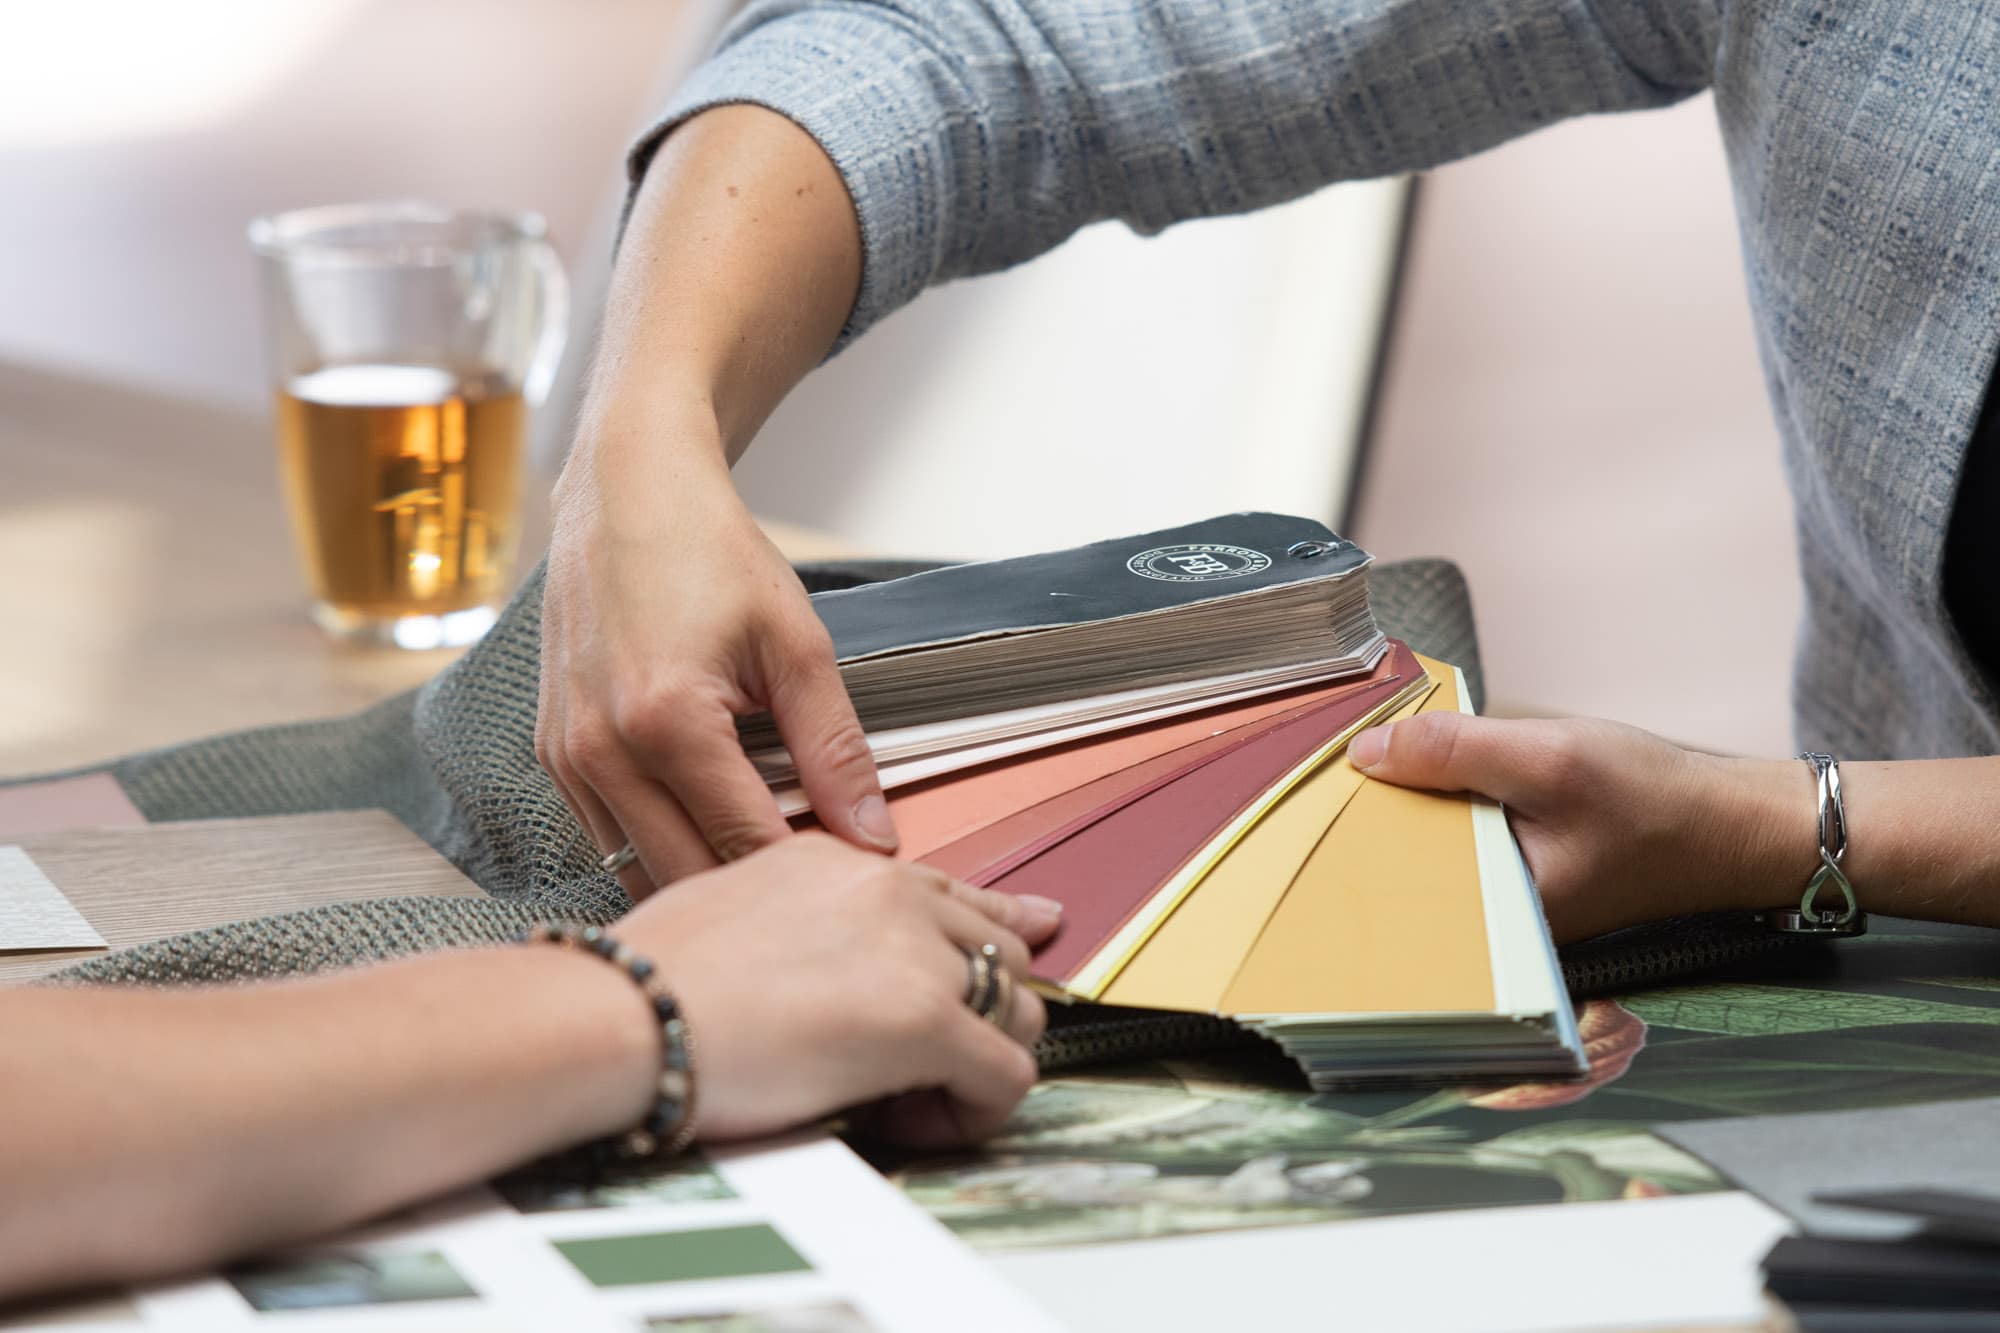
column 1096, row 975
column 1386, row 915
column 1192, row 957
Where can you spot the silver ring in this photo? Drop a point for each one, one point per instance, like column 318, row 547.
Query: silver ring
column 1003, row 1009
column 618, row 860
column 988, row 988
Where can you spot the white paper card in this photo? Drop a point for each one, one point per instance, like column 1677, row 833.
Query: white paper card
column 33, row 912
column 801, row 1235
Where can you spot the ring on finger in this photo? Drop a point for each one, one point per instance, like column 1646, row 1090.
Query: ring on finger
column 1003, row 1009
column 989, row 990
column 618, row 860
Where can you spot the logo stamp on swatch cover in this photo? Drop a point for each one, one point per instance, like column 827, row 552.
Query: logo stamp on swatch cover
column 1198, row 562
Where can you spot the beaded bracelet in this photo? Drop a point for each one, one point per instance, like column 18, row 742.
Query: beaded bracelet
column 670, row 1126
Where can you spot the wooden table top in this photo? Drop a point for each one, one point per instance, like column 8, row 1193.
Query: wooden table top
column 150, row 592
column 143, row 883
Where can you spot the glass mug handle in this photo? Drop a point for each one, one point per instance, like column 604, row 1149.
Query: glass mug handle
column 553, row 301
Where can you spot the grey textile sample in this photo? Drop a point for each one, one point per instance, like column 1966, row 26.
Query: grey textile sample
column 1786, row 1159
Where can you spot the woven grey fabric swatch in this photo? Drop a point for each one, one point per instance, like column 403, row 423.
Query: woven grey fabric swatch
column 455, row 761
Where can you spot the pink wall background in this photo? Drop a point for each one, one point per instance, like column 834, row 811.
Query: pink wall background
column 123, row 200
column 1573, row 411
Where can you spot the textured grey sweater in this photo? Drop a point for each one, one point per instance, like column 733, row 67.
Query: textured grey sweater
column 1863, row 141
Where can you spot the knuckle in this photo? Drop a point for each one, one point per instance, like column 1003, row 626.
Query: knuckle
column 912, row 880
column 919, row 1015
column 881, row 891
column 824, row 861
column 589, row 750
column 929, row 880
column 1565, row 752
column 1020, row 1071
column 844, row 747
column 1434, row 740
column 794, row 649
column 805, row 641
column 987, row 902
column 816, row 844
column 734, row 836
column 651, row 719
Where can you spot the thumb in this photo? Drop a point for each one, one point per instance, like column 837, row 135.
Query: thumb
column 1446, row 752
column 817, row 722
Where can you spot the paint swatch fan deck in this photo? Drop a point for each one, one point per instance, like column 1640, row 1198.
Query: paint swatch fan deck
column 971, row 662
column 1214, row 851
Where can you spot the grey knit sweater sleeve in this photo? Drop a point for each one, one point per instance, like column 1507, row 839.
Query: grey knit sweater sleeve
column 973, row 134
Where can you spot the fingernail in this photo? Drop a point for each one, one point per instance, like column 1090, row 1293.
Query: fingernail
column 1366, row 750
column 1041, row 911
column 871, row 816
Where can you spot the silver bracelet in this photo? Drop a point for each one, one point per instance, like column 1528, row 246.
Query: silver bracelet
column 1810, row 917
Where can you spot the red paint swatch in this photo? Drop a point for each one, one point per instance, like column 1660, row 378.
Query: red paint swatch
column 931, row 814
column 1106, row 871
column 992, row 852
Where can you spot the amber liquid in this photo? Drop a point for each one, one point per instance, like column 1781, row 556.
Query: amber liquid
column 405, row 488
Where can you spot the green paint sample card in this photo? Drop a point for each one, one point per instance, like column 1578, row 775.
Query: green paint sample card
column 682, row 1256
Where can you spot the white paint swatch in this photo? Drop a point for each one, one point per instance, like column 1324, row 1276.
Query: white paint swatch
column 33, row 912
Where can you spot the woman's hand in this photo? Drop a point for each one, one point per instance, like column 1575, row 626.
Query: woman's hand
column 817, row 978
column 1617, row 825
column 668, row 615
column 146, row 1131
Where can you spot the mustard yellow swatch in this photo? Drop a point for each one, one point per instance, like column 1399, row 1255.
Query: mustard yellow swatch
column 1095, row 977
column 1385, row 916
column 1189, row 961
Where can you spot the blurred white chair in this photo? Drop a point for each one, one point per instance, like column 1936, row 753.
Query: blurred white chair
column 1116, row 385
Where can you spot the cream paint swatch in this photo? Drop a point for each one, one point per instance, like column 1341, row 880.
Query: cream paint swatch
column 1386, row 916
column 935, row 815
column 1195, row 953
column 33, row 912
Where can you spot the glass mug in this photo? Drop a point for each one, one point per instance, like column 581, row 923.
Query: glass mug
column 408, row 344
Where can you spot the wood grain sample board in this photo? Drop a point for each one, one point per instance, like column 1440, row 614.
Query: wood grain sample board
column 140, row 884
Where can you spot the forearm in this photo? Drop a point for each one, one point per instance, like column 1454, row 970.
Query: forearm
column 1924, row 835
column 974, row 134
column 960, row 136
column 145, row 1132
column 739, row 263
